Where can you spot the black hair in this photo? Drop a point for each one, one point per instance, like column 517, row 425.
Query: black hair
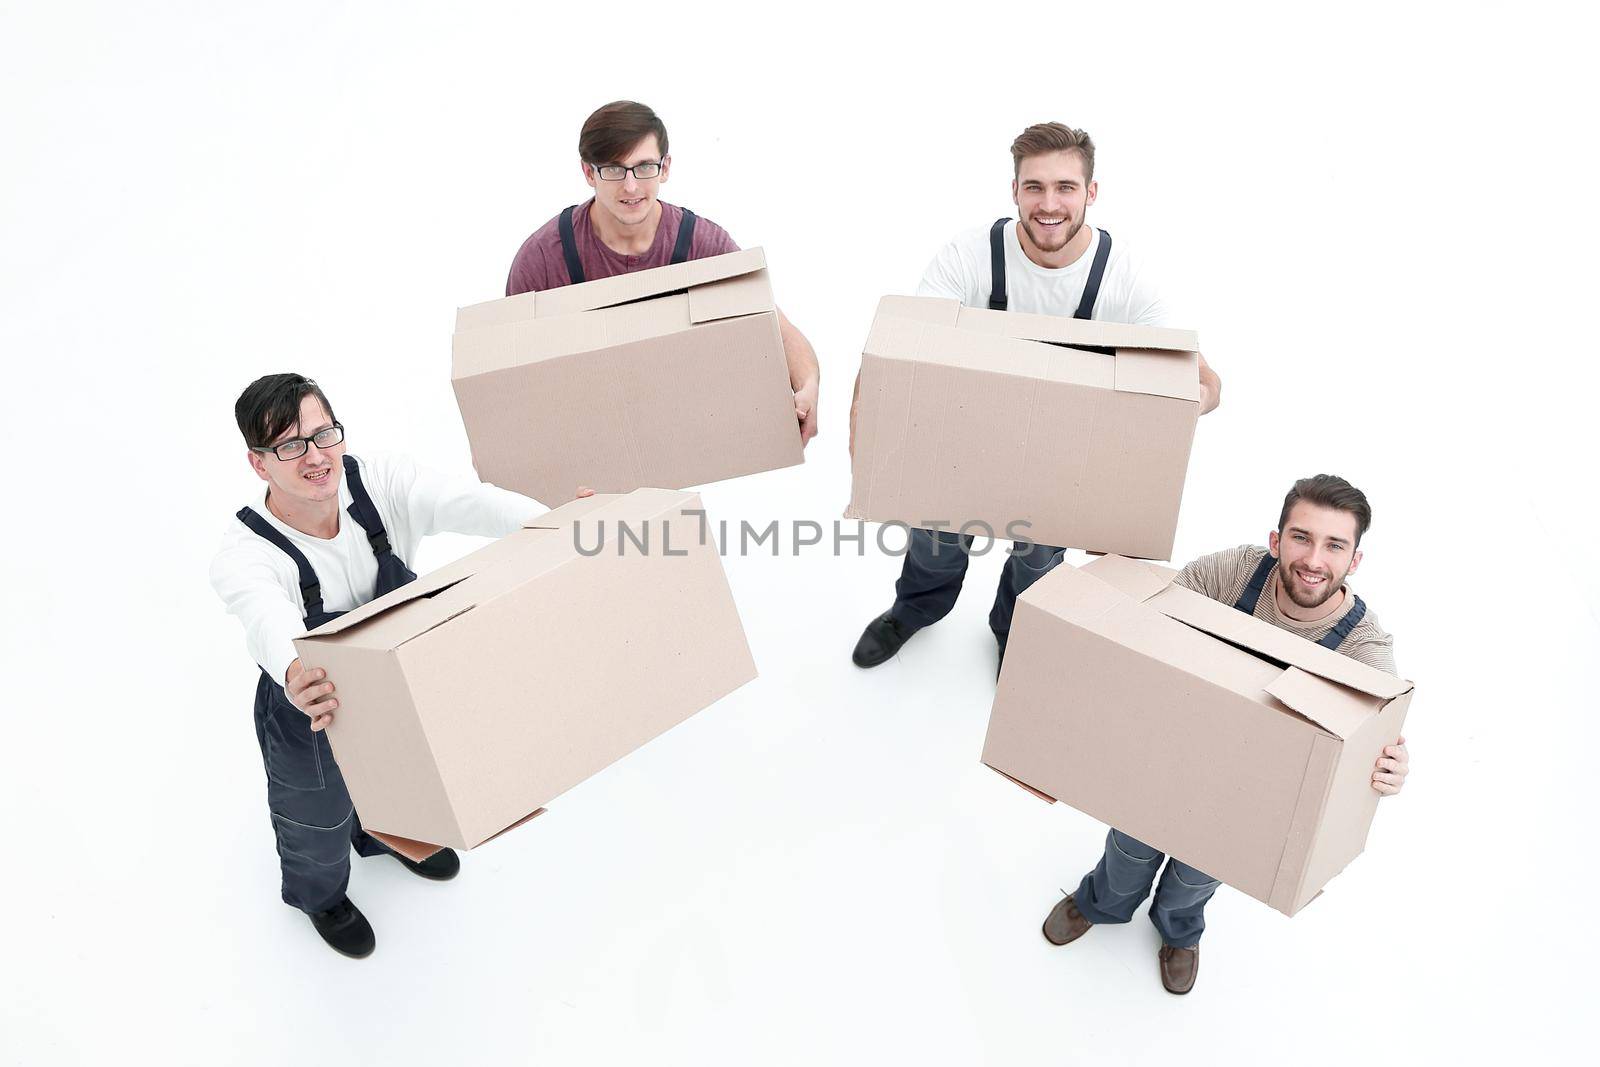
column 271, row 404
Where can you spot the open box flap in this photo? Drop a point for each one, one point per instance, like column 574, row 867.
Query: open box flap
column 1052, row 329
column 531, row 341
column 609, row 292
column 1339, row 710
column 556, row 518
column 427, row 587
column 933, row 343
column 1064, row 330
column 498, row 312
column 1046, row 797
column 743, row 294
column 535, row 813
column 638, row 505
column 1247, row 631
column 1148, row 359
column 641, row 285
column 1139, row 579
column 417, row 851
column 446, row 592
column 937, row 310
column 1154, row 372
column 1146, row 582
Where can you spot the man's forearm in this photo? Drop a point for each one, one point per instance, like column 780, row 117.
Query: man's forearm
column 1210, row 387
column 798, row 354
column 855, row 404
column 803, row 375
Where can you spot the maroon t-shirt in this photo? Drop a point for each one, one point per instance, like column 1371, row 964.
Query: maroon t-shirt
column 540, row 263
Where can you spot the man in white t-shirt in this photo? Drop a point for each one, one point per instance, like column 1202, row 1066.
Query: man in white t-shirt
column 1048, row 263
column 331, row 533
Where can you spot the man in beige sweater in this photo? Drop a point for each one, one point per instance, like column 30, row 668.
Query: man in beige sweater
column 1297, row 583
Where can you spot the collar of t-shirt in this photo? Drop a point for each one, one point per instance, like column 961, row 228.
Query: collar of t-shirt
column 1305, row 629
column 348, row 527
column 1053, row 274
column 591, row 247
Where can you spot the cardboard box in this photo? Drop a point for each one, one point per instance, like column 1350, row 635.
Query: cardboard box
column 669, row 377
column 1215, row 737
column 974, row 416
column 471, row 697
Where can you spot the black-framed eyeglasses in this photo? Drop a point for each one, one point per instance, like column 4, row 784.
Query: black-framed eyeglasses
column 295, row 447
column 615, row 172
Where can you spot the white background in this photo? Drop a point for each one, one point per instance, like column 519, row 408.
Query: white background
column 1380, row 219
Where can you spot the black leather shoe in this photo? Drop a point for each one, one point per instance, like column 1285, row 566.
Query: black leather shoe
column 439, row 867
column 345, row 930
column 881, row 639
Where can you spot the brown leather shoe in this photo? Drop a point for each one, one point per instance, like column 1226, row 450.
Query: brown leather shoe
column 1179, row 966
column 1065, row 922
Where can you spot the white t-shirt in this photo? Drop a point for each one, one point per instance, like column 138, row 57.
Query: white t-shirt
column 261, row 585
column 961, row 271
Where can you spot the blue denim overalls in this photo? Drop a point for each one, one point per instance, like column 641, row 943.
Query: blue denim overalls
column 1127, row 870
column 936, row 561
column 312, row 815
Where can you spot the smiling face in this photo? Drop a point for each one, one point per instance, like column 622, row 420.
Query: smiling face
column 1052, row 194
column 1316, row 551
column 632, row 200
column 310, row 480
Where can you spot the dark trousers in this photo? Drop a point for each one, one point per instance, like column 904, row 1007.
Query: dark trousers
column 1113, row 891
column 313, row 817
column 936, row 564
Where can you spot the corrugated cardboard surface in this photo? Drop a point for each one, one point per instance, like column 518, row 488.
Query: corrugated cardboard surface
column 969, row 415
column 669, row 377
column 474, row 696
column 1157, row 727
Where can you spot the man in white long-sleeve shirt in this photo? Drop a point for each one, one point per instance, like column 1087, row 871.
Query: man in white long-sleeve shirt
column 330, row 533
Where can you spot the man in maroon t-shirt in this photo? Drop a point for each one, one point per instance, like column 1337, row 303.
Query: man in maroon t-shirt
column 624, row 227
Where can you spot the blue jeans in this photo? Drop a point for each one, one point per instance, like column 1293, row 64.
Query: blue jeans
column 1112, row 892
column 936, row 564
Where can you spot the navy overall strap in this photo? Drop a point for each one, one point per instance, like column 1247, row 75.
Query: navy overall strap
column 569, row 247
column 1097, row 271
column 362, row 509
column 1341, row 630
column 997, row 265
column 310, row 588
column 680, row 250
column 1258, row 581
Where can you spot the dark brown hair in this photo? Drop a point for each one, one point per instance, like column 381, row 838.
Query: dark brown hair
column 271, row 404
column 612, row 131
column 1329, row 491
column 1045, row 137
